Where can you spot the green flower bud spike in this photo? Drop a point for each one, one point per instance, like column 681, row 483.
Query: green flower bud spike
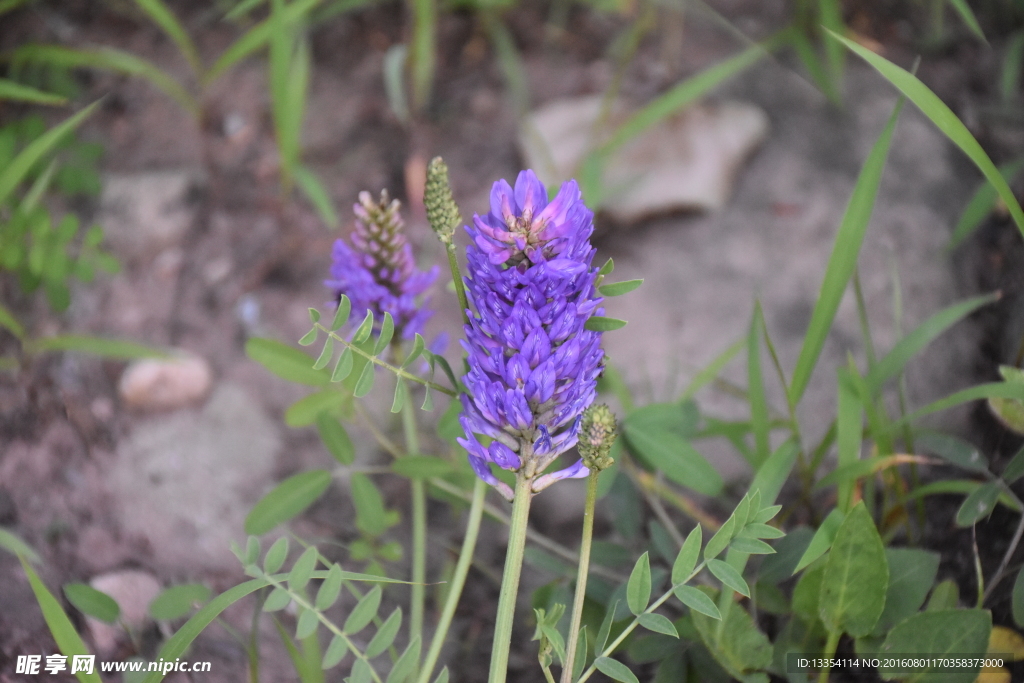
column 597, row 434
column 442, row 212
column 443, row 215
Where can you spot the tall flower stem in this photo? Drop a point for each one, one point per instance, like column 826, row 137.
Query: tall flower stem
column 419, row 527
column 581, row 576
column 458, row 581
column 510, row 578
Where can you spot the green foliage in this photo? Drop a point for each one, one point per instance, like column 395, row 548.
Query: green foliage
column 288, row 499
column 92, row 602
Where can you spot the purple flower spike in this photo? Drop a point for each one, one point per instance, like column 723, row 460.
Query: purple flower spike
column 533, row 366
column 378, row 272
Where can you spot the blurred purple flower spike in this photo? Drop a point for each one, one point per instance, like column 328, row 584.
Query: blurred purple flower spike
column 378, row 272
column 533, row 367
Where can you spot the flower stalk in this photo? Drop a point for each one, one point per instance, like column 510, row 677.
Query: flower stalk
column 510, row 578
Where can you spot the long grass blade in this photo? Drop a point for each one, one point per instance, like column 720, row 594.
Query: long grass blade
column 967, row 14
column 108, row 58
column 509, row 61
column 909, row 346
column 755, row 389
column 843, row 260
column 982, row 203
column 68, row 641
column 12, row 175
column 11, row 90
column 713, row 369
column 422, row 51
column 162, row 17
column 256, row 38
column 944, row 118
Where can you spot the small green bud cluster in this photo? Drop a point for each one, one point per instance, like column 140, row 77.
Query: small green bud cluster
column 597, row 434
column 442, row 212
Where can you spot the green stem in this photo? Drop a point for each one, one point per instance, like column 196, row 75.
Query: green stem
column 510, row 578
column 581, row 576
column 458, row 580
column 419, row 528
column 423, row 51
column 830, row 649
column 460, row 288
column 399, row 372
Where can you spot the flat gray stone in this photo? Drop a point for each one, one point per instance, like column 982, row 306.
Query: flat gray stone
column 185, row 481
column 686, row 162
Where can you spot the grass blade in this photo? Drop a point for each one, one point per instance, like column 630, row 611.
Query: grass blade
column 983, row 201
column 893, row 362
column 965, row 12
column 843, row 260
column 108, row 58
column 509, row 61
column 97, row 346
column 162, row 17
column 317, row 194
column 755, row 390
column 944, row 118
column 64, row 633
column 15, row 171
column 422, row 51
column 255, row 39
column 10, row 90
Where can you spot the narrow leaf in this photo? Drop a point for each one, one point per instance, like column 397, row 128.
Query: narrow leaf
column 658, row 624
column 177, row 601
column 15, row 170
column 686, row 560
column 365, row 381
column 364, row 612
column 18, row 547
column 619, row 288
column 92, row 602
column 697, row 600
column 387, row 331
column 944, row 118
column 306, row 624
column 417, row 348
column 64, row 634
column 401, row 395
column 277, row 600
column 275, row 557
column 317, row 195
column 598, row 323
column 325, row 355
column 309, row 337
column 385, row 635
column 978, row 504
column 843, row 259
column 163, row 18
column 343, row 367
column 364, row 329
column 909, row 346
column 334, row 436
column 288, row 499
column 728, row 575
column 342, row 313
column 336, row 652
column 406, row 663
column 13, row 91
column 284, row 361
column 638, row 589
column 302, row 571
column 330, row 589
column 615, row 669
